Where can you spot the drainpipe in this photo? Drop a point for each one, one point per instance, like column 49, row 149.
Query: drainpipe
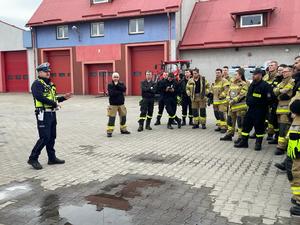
column 170, row 33
column 34, row 49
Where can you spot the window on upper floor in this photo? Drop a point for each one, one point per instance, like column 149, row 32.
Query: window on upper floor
column 255, row 20
column 97, row 29
column 62, row 32
column 136, row 26
column 100, row 1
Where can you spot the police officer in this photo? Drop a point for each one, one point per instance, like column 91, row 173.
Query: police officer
column 258, row 99
column 147, row 102
column 236, row 98
column 198, row 89
column 284, row 92
column 116, row 90
column 185, row 99
column 46, row 103
column 219, row 90
column 161, row 103
column 170, row 90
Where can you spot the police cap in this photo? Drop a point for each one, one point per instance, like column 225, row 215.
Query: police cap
column 257, row 71
column 45, row 67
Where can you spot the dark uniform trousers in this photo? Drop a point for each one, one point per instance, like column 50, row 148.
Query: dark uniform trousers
column 171, row 107
column 161, row 106
column 186, row 104
column 47, row 136
column 256, row 117
column 147, row 105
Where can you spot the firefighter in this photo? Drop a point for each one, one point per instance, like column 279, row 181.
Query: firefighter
column 147, row 102
column 161, row 103
column 225, row 73
column 170, row 90
column 197, row 89
column 273, row 127
column 219, row 90
column 284, row 92
column 258, row 98
column 293, row 153
column 185, row 99
column 237, row 105
column 116, row 90
column 46, row 103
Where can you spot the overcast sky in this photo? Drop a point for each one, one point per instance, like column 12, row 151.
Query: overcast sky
column 18, row 12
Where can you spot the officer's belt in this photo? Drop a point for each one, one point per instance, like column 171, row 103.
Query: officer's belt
column 49, row 110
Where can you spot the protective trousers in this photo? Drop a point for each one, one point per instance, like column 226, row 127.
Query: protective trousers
column 254, row 117
column 295, row 180
column 147, row 105
column 171, row 107
column 199, row 104
column 284, row 126
column 161, row 106
column 220, row 115
column 112, row 111
column 273, row 126
column 232, row 119
column 186, row 105
column 46, row 124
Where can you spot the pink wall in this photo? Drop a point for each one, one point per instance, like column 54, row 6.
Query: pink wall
column 98, row 53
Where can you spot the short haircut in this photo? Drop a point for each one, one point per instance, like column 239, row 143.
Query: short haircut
column 274, row 61
column 219, row 70
column 148, row 71
column 115, row 74
column 297, row 57
column 225, row 67
column 196, row 70
column 282, row 65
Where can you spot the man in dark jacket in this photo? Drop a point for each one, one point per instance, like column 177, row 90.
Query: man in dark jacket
column 186, row 102
column 46, row 103
column 258, row 99
column 116, row 90
column 170, row 90
column 147, row 103
column 161, row 102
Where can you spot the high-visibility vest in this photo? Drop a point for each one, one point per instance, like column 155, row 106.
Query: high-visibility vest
column 49, row 92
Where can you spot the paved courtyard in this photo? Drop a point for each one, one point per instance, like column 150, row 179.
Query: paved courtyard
column 163, row 177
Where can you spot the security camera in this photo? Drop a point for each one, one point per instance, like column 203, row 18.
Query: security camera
column 74, row 28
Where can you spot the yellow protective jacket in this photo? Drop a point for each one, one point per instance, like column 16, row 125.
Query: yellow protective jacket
column 191, row 86
column 269, row 78
column 236, row 95
column 220, row 89
column 284, row 92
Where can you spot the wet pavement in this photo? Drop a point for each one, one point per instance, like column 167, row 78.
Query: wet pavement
column 160, row 177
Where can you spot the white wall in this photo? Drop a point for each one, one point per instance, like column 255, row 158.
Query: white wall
column 11, row 38
column 208, row 60
column 31, row 67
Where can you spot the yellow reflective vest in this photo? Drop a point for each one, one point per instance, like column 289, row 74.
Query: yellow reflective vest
column 49, row 92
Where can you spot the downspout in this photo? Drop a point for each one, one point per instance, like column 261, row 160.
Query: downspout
column 34, row 50
column 170, row 34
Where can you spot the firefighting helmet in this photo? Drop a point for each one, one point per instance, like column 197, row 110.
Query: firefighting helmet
column 295, row 107
column 45, row 67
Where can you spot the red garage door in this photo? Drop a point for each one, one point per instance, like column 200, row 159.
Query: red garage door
column 98, row 77
column 142, row 59
column 16, row 71
column 60, row 69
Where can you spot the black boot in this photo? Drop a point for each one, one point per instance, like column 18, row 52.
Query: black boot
column 157, row 121
column 270, row 137
column 203, row 126
column 253, row 136
column 56, row 161
column 218, row 129
column 258, row 144
column 183, row 121
column 237, row 140
column 279, row 151
column 191, row 121
column 169, row 126
column 280, row 166
column 178, row 121
column 141, row 126
column 35, row 164
column 295, row 210
column 243, row 143
column 148, row 122
column 227, row 137
column 274, row 141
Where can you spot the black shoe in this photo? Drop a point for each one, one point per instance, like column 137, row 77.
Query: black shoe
column 183, row 122
column 196, row 126
column 273, row 142
column 109, row 135
column 227, row 137
column 242, row 144
column 35, row 164
column 141, row 128
column 148, row 128
column 279, row 151
column 157, row 123
column 295, row 211
column 218, row 129
column 280, row 166
column 258, row 144
column 191, row 122
column 270, row 137
column 203, row 126
column 223, row 131
column 56, row 161
column 170, row 127
column 293, row 201
column 125, row 132
column 178, row 123
column 237, row 140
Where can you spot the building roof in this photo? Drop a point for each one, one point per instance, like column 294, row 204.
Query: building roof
column 8, row 24
column 212, row 24
column 66, row 11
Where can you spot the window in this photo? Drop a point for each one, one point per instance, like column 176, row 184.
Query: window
column 62, row 32
column 255, row 20
column 136, row 26
column 97, row 29
column 100, row 1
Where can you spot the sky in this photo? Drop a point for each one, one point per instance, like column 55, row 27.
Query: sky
column 18, row 12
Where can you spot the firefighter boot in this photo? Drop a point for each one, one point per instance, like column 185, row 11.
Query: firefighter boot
column 148, row 127
column 270, row 137
column 170, row 124
column 191, row 121
column 274, row 141
column 178, row 122
column 183, row 121
column 237, row 140
column 258, row 144
column 280, row 166
column 295, row 210
column 141, row 126
column 243, row 143
column 227, row 137
column 157, row 121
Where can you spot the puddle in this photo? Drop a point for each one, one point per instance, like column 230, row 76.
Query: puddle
column 11, row 192
column 156, row 158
